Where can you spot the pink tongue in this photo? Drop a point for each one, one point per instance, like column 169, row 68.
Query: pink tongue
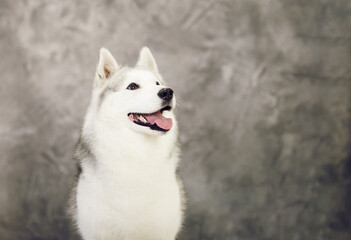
column 161, row 121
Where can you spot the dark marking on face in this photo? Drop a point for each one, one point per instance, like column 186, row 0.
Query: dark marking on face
column 113, row 86
column 104, row 93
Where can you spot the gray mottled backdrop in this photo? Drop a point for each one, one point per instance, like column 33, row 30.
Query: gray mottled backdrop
column 264, row 92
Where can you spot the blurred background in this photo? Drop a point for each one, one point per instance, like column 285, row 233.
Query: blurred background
column 264, row 93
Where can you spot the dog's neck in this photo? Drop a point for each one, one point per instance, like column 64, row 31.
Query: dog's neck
column 121, row 146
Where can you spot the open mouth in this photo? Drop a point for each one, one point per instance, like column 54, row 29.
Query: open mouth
column 155, row 121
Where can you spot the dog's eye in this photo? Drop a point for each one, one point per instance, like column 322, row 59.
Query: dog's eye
column 133, row 86
column 157, row 83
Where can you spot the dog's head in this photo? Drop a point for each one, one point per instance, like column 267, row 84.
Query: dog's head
column 136, row 98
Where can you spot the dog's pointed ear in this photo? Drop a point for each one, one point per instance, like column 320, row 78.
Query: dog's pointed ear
column 107, row 66
column 146, row 60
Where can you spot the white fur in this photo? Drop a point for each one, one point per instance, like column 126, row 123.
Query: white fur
column 130, row 191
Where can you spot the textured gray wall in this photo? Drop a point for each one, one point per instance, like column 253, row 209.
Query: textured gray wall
column 264, row 92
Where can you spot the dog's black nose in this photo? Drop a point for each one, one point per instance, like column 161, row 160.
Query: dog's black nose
column 166, row 94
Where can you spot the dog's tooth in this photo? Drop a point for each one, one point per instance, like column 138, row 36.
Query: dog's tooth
column 142, row 118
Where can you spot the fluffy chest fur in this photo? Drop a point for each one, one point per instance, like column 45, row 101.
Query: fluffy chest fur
column 130, row 191
column 129, row 201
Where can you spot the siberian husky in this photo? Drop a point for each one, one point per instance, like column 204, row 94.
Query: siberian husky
column 127, row 156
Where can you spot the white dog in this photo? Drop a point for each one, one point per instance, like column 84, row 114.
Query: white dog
column 127, row 156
